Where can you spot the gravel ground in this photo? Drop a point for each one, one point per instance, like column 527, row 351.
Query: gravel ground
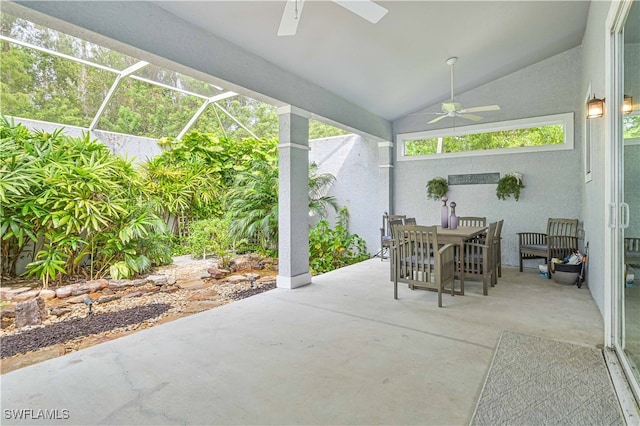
column 36, row 338
column 123, row 314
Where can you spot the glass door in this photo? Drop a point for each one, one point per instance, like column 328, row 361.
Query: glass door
column 627, row 140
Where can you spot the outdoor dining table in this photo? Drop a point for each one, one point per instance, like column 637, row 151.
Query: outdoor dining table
column 457, row 237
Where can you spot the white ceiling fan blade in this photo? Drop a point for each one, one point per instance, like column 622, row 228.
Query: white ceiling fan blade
column 290, row 17
column 481, row 109
column 470, row 117
column 435, row 120
column 364, row 8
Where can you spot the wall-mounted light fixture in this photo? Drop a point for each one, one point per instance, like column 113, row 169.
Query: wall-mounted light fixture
column 595, row 108
column 627, row 105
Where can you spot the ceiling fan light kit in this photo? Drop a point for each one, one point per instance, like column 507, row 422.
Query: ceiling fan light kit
column 456, row 109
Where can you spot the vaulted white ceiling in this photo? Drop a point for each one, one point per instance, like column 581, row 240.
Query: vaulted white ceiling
column 385, row 70
column 398, row 65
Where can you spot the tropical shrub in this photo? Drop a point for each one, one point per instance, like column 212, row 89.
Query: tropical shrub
column 252, row 207
column 253, row 203
column 210, row 236
column 331, row 249
column 191, row 177
column 71, row 201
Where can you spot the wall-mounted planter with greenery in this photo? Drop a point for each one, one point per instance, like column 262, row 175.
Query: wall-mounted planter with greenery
column 510, row 185
column 437, row 188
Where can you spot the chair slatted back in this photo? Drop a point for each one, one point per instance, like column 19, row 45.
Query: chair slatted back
column 415, row 254
column 387, row 218
column 561, row 226
column 472, row 221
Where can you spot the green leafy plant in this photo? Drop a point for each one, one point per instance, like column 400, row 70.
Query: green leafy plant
column 331, row 249
column 191, row 177
column 437, row 188
column 210, row 236
column 73, row 205
column 253, row 203
column 253, row 206
column 510, row 185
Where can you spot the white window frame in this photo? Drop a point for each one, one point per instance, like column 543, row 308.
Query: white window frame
column 565, row 120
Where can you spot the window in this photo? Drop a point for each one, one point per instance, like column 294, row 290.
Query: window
column 548, row 133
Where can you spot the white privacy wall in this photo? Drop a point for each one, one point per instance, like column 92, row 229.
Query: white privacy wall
column 354, row 163
column 554, row 180
column 130, row 146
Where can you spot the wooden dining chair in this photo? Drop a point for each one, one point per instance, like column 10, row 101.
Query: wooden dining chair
column 478, row 260
column 385, row 233
column 420, row 262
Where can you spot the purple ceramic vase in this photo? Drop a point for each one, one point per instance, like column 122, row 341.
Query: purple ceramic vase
column 444, row 213
column 453, row 220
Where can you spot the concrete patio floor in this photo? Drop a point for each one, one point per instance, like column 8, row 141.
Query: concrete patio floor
column 339, row 351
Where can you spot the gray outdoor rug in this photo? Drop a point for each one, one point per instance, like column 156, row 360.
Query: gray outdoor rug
column 536, row 381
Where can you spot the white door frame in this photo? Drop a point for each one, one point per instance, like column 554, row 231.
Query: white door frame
column 614, row 310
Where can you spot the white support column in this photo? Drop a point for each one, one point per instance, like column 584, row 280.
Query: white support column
column 293, row 198
column 385, row 177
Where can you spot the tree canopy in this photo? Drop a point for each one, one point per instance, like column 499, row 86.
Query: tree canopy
column 38, row 85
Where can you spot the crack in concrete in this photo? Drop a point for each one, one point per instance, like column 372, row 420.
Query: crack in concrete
column 404, row 327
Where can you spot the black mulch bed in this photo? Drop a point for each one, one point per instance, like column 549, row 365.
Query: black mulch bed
column 64, row 331
column 252, row 291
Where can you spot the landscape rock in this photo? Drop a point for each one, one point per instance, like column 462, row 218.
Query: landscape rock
column 264, row 280
column 31, row 312
column 96, row 285
column 65, row 291
column 215, row 273
column 77, row 299
column 257, row 265
column 119, row 284
column 80, row 290
column 6, row 293
column 47, row 294
column 209, row 294
column 108, row 298
column 233, row 279
column 60, row 311
column 21, row 297
column 8, row 313
column 158, row 280
column 191, row 284
column 240, row 263
column 133, row 294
